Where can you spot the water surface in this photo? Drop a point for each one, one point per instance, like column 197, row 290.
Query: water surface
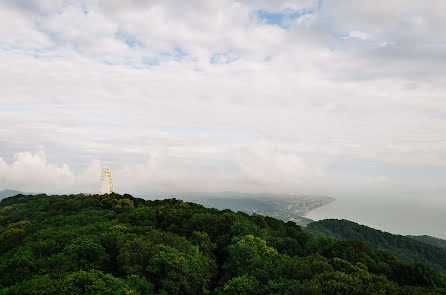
column 397, row 216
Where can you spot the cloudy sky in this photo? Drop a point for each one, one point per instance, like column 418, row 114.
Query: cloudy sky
column 329, row 97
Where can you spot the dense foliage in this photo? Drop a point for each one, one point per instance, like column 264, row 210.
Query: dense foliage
column 430, row 241
column 117, row 244
column 405, row 248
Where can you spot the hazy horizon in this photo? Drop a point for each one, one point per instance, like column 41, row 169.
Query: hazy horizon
column 337, row 98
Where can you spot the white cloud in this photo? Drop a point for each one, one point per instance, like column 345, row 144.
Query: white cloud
column 262, row 168
column 358, row 35
column 31, row 171
column 195, row 85
column 402, row 20
column 280, row 5
column 379, row 179
column 263, row 164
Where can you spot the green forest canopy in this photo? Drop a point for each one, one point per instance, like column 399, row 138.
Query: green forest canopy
column 440, row 243
column 118, row 244
column 405, row 248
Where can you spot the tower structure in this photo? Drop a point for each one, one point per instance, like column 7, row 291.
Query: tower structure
column 106, row 186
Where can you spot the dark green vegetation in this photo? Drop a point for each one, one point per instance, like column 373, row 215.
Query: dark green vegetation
column 430, row 241
column 405, row 248
column 118, row 244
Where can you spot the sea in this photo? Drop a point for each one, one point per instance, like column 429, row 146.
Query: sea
column 404, row 216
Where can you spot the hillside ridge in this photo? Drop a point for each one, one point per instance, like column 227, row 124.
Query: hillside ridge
column 440, row 243
column 405, row 248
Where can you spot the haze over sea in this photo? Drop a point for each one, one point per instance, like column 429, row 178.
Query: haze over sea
column 405, row 215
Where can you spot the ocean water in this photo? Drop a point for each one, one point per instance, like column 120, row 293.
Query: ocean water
column 397, row 216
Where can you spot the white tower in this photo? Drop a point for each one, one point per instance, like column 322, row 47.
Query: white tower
column 106, row 182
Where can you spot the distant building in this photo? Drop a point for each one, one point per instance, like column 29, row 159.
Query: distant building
column 106, row 186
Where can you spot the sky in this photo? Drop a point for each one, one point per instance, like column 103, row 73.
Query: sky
column 341, row 98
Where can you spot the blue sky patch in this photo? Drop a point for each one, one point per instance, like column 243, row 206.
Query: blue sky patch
column 223, row 58
column 177, row 54
column 279, row 19
column 132, row 43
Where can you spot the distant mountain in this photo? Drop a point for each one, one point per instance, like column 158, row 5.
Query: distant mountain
column 8, row 193
column 430, row 241
column 405, row 248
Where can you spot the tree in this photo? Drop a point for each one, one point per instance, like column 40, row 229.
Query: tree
column 243, row 285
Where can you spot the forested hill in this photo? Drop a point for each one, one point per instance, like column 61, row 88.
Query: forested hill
column 117, row 244
column 430, row 241
column 404, row 247
column 8, row 193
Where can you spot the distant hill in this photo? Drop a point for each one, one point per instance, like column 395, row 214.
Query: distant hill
column 430, row 241
column 8, row 193
column 405, row 248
